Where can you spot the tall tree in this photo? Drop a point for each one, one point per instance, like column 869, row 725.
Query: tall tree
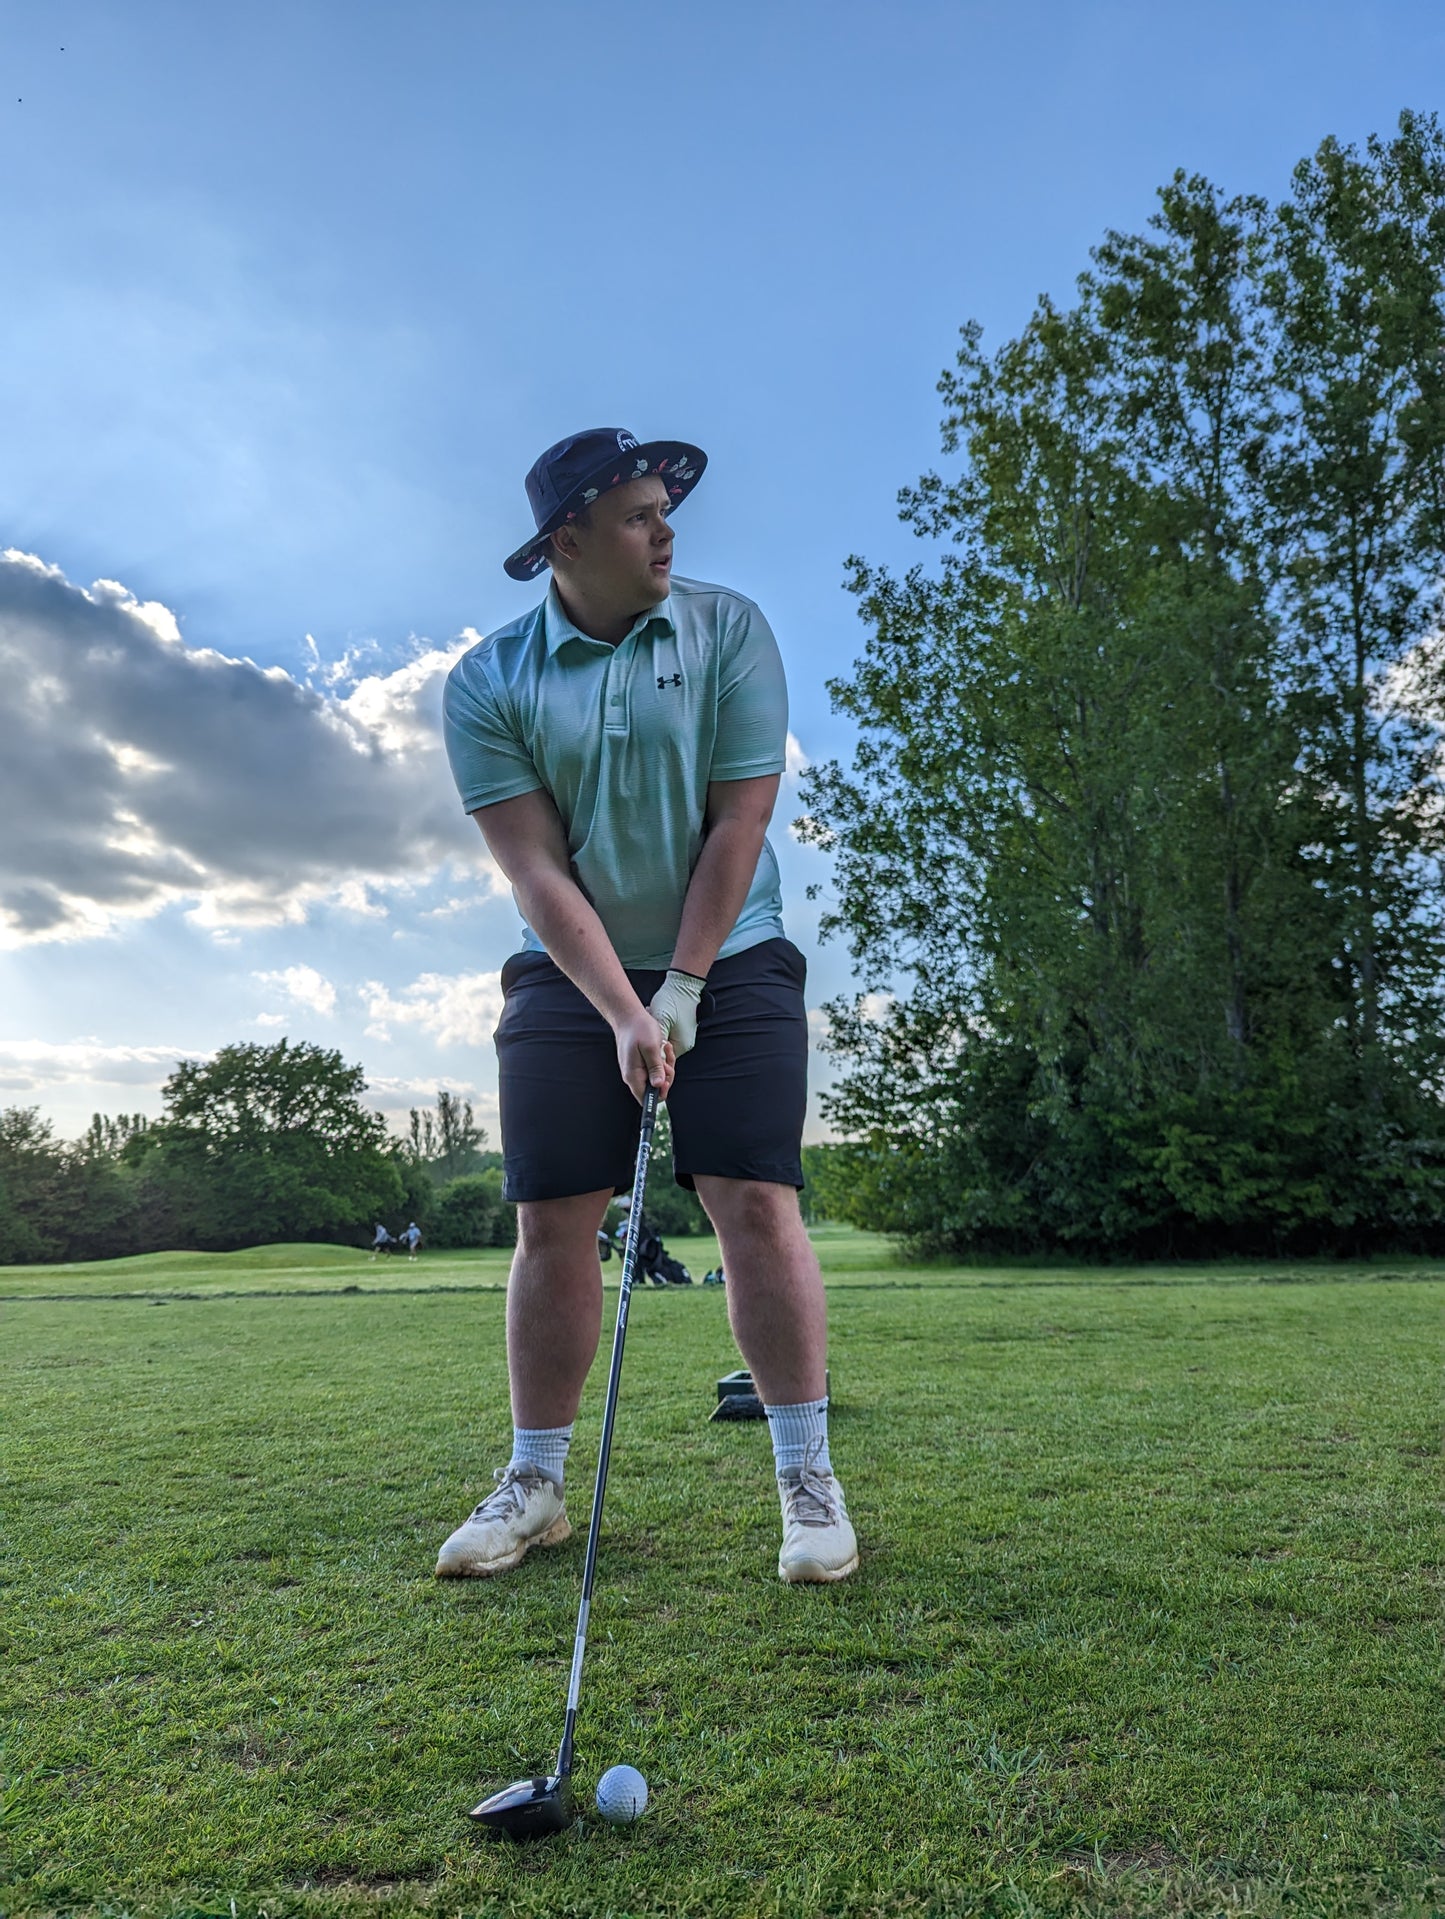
column 31, row 1169
column 448, row 1143
column 58, row 1200
column 1083, row 826
column 1190, row 388
column 271, row 1142
column 110, row 1136
column 1355, row 478
column 459, row 1138
column 421, row 1138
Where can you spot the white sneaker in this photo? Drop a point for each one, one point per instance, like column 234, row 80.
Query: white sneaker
column 818, row 1538
column 526, row 1510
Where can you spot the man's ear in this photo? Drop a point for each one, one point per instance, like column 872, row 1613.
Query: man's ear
column 564, row 539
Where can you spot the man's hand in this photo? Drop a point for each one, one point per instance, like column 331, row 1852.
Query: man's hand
column 674, row 1007
column 644, row 1055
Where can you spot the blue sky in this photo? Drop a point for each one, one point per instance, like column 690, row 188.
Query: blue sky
column 295, row 294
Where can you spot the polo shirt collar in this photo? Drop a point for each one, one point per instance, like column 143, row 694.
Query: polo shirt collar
column 558, row 629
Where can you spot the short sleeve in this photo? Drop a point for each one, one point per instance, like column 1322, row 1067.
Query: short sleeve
column 752, row 719
column 489, row 761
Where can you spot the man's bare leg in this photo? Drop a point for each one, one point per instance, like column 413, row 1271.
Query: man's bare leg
column 780, row 1321
column 554, row 1307
column 774, row 1288
column 554, row 1320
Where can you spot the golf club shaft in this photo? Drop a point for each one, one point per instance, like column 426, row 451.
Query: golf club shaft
column 609, row 1413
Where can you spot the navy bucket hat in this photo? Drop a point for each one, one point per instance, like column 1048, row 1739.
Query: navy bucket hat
column 569, row 476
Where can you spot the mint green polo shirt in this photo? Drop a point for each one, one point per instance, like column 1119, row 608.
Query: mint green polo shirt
column 626, row 740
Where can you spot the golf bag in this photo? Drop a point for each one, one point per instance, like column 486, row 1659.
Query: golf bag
column 654, row 1261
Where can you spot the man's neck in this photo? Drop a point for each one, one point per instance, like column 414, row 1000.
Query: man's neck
column 598, row 622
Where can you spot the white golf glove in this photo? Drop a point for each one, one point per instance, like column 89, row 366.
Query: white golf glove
column 674, row 1007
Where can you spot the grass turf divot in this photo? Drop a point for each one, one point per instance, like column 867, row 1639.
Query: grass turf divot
column 1146, row 1620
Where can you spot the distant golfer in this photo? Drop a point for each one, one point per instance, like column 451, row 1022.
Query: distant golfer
column 620, row 747
column 412, row 1236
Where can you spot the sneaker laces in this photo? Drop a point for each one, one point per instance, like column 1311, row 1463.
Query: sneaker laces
column 813, row 1496
column 515, row 1484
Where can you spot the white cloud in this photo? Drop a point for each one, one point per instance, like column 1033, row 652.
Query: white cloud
column 872, row 1006
column 459, row 1009
column 140, row 772
column 150, row 613
column 458, row 904
column 32, row 1066
column 354, row 896
column 796, row 760
column 303, row 985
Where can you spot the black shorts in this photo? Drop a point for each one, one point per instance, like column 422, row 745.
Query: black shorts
column 569, row 1123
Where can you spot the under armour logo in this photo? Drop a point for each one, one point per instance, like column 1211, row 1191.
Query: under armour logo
column 662, row 681
column 625, row 442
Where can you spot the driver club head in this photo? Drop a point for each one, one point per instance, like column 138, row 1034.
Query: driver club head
column 528, row 1808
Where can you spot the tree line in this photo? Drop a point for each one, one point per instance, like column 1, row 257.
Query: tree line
column 261, row 1144
column 1139, row 853
column 256, row 1145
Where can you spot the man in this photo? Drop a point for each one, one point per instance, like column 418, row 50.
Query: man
column 620, row 747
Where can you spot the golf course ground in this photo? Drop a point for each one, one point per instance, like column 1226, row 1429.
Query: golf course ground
column 1147, row 1620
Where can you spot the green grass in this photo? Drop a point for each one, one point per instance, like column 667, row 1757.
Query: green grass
column 1146, row 1621
column 298, row 1268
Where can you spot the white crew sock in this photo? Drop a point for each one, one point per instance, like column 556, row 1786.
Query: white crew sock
column 795, row 1429
column 543, row 1447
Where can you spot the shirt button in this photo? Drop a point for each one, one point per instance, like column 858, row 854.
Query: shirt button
column 617, row 699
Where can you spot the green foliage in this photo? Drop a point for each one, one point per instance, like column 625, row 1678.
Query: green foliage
column 29, row 1179
column 258, row 1144
column 448, row 1143
column 463, row 1214
column 1355, row 484
column 1139, row 858
column 270, row 1142
column 828, row 1183
column 112, row 1136
column 418, row 1190
column 67, row 1201
column 471, row 1212
column 453, row 1184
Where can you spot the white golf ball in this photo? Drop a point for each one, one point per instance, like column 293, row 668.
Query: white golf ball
column 622, row 1795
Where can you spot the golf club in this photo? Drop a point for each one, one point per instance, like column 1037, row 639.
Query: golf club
column 532, row 1808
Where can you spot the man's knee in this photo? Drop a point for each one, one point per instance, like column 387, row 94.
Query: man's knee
column 749, row 1208
column 553, row 1226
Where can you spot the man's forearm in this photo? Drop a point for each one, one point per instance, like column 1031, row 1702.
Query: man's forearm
column 716, row 891
column 566, row 922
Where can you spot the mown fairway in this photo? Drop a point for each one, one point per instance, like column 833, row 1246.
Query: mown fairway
column 1146, row 1620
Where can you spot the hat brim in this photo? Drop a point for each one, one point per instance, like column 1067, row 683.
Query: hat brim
column 678, row 465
